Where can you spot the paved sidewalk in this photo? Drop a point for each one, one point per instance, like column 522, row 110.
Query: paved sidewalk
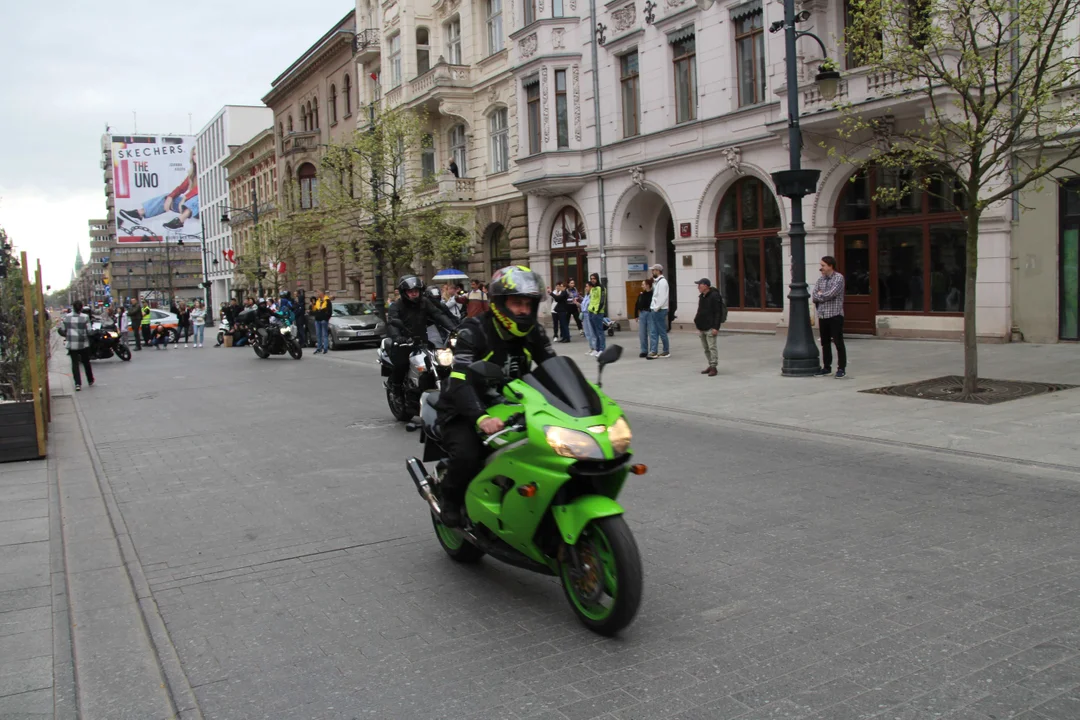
column 750, row 389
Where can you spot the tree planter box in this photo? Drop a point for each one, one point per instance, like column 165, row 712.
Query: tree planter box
column 18, row 433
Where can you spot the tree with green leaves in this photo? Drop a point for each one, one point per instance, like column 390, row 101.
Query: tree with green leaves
column 372, row 188
column 995, row 111
column 280, row 240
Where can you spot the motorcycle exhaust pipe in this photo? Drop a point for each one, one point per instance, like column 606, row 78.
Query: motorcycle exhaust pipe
column 423, row 484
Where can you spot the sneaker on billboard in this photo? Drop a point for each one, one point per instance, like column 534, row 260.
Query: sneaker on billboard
column 174, row 224
column 131, row 216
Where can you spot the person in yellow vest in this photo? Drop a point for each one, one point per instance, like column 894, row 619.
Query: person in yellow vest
column 146, row 323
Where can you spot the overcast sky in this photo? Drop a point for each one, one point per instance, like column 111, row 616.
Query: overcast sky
column 67, row 72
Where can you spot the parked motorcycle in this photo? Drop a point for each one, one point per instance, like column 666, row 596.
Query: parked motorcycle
column 545, row 500
column 429, row 367
column 225, row 329
column 275, row 339
column 105, row 342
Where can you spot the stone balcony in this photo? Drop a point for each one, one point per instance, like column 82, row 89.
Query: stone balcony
column 885, row 91
column 433, row 86
column 297, row 142
column 553, row 173
column 448, row 188
column 367, row 45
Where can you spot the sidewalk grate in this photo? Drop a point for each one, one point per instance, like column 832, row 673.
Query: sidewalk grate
column 990, row 392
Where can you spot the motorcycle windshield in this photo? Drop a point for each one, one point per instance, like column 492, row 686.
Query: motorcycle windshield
column 561, row 383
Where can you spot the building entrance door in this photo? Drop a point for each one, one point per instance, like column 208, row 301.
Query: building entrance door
column 853, row 251
column 1069, row 260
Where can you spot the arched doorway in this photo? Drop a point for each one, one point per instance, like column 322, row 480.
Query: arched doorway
column 569, row 259
column 901, row 257
column 749, row 254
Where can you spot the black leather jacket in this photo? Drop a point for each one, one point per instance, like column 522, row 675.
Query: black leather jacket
column 481, row 338
column 416, row 317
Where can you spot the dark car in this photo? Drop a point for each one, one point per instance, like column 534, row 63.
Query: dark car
column 353, row 323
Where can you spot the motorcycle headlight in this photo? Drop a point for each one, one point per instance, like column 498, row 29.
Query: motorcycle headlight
column 453, row 341
column 444, row 356
column 620, row 436
column 573, row 443
column 113, row 335
column 286, row 330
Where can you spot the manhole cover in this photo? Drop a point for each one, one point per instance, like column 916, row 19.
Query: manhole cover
column 990, row 392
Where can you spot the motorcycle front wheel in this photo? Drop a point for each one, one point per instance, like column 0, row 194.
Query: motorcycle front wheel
column 398, row 404
column 123, row 352
column 604, row 589
column 295, row 350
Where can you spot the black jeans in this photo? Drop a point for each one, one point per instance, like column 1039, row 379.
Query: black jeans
column 146, row 334
column 399, row 356
column 832, row 331
column 81, row 356
column 186, row 329
column 575, row 312
column 465, row 450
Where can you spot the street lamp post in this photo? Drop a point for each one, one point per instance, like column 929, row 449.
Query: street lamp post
column 253, row 212
column 800, row 351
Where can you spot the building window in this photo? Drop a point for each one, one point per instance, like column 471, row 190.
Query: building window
column 395, row 61
column 457, row 149
column 309, row 187
column 750, row 56
column 568, row 255
column 557, row 8
column 346, row 90
column 376, row 86
column 630, row 102
column 901, row 256
column 532, row 100
column 305, row 111
column 315, row 113
column 530, row 11
column 855, row 56
column 749, row 257
column 453, row 41
column 423, row 51
column 332, row 108
column 427, row 159
column 494, row 26
column 499, row 125
column 498, row 247
column 685, row 61
column 562, row 121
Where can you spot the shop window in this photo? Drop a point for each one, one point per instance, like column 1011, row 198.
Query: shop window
column 749, row 254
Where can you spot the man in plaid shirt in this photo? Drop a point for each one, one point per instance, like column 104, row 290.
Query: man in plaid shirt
column 76, row 328
column 828, row 297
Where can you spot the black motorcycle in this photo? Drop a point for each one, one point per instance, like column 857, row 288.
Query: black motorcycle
column 429, row 368
column 274, row 339
column 105, row 342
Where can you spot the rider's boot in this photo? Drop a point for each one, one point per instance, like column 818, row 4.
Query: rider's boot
column 451, row 507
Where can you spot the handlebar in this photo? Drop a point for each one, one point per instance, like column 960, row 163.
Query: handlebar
column 514, row 423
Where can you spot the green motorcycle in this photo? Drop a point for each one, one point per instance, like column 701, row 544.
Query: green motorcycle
column 545, row 499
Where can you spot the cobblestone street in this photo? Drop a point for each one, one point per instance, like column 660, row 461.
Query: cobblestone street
column 297, row 574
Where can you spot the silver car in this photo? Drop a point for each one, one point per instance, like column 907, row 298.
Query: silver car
column 353, row 323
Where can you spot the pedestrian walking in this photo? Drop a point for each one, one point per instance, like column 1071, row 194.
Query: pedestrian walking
column 198, row 323
column 135, row 323
column 658, row 333
column 75, row 327
column 711, row 314
column 597, row 310
column 322, row 309
column 828, row 297
column 560, row 309
column 644, row 302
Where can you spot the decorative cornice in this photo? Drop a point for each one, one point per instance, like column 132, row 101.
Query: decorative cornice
column 340, row 44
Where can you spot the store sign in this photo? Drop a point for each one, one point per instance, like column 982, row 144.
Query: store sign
column 637, row 263
column 155, row 188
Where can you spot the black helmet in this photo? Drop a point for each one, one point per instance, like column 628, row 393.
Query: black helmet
column 510, row 281
column 410, row 282
column 284, row 294
column 434, row 294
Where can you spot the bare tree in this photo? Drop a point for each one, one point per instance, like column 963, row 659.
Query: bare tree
column 998, row 109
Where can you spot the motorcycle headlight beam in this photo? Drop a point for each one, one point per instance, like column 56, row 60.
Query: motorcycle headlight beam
column 573, row 443
column 620, row 436
column 444, row 356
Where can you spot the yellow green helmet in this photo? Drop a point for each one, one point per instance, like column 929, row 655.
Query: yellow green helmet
column 510, row 281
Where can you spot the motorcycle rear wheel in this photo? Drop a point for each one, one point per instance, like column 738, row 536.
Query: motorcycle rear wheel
column 295, row 350
column 456, row 546
column 607, row 596
column 123, row 353
column 260, row 350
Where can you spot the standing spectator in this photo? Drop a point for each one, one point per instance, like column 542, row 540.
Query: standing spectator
column 477, row 301
column 561, row 310
column 583, row 303
column 644, row 302
column 453, row 168
column 145, row 322
column 597, row 311
column 322, row 309
column 301, row 318
column 183, row 321
column 710, row 316
column 658, row 315
column 76, row 328
column 575, row 303
column 828, row 297
column 198, row 323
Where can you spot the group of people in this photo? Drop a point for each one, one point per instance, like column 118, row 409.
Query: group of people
column 291, row 311
column 588, row 308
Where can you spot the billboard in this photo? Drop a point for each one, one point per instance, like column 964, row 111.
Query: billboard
column 155, row 188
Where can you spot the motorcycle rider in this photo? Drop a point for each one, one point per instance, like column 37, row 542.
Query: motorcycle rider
column 508, row 335
column 263, row 313
column 415, row 311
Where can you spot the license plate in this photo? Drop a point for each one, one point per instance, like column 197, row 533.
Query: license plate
column 365, row 332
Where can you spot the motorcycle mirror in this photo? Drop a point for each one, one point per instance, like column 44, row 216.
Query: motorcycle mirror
column 610, row 355
column 487, row 371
